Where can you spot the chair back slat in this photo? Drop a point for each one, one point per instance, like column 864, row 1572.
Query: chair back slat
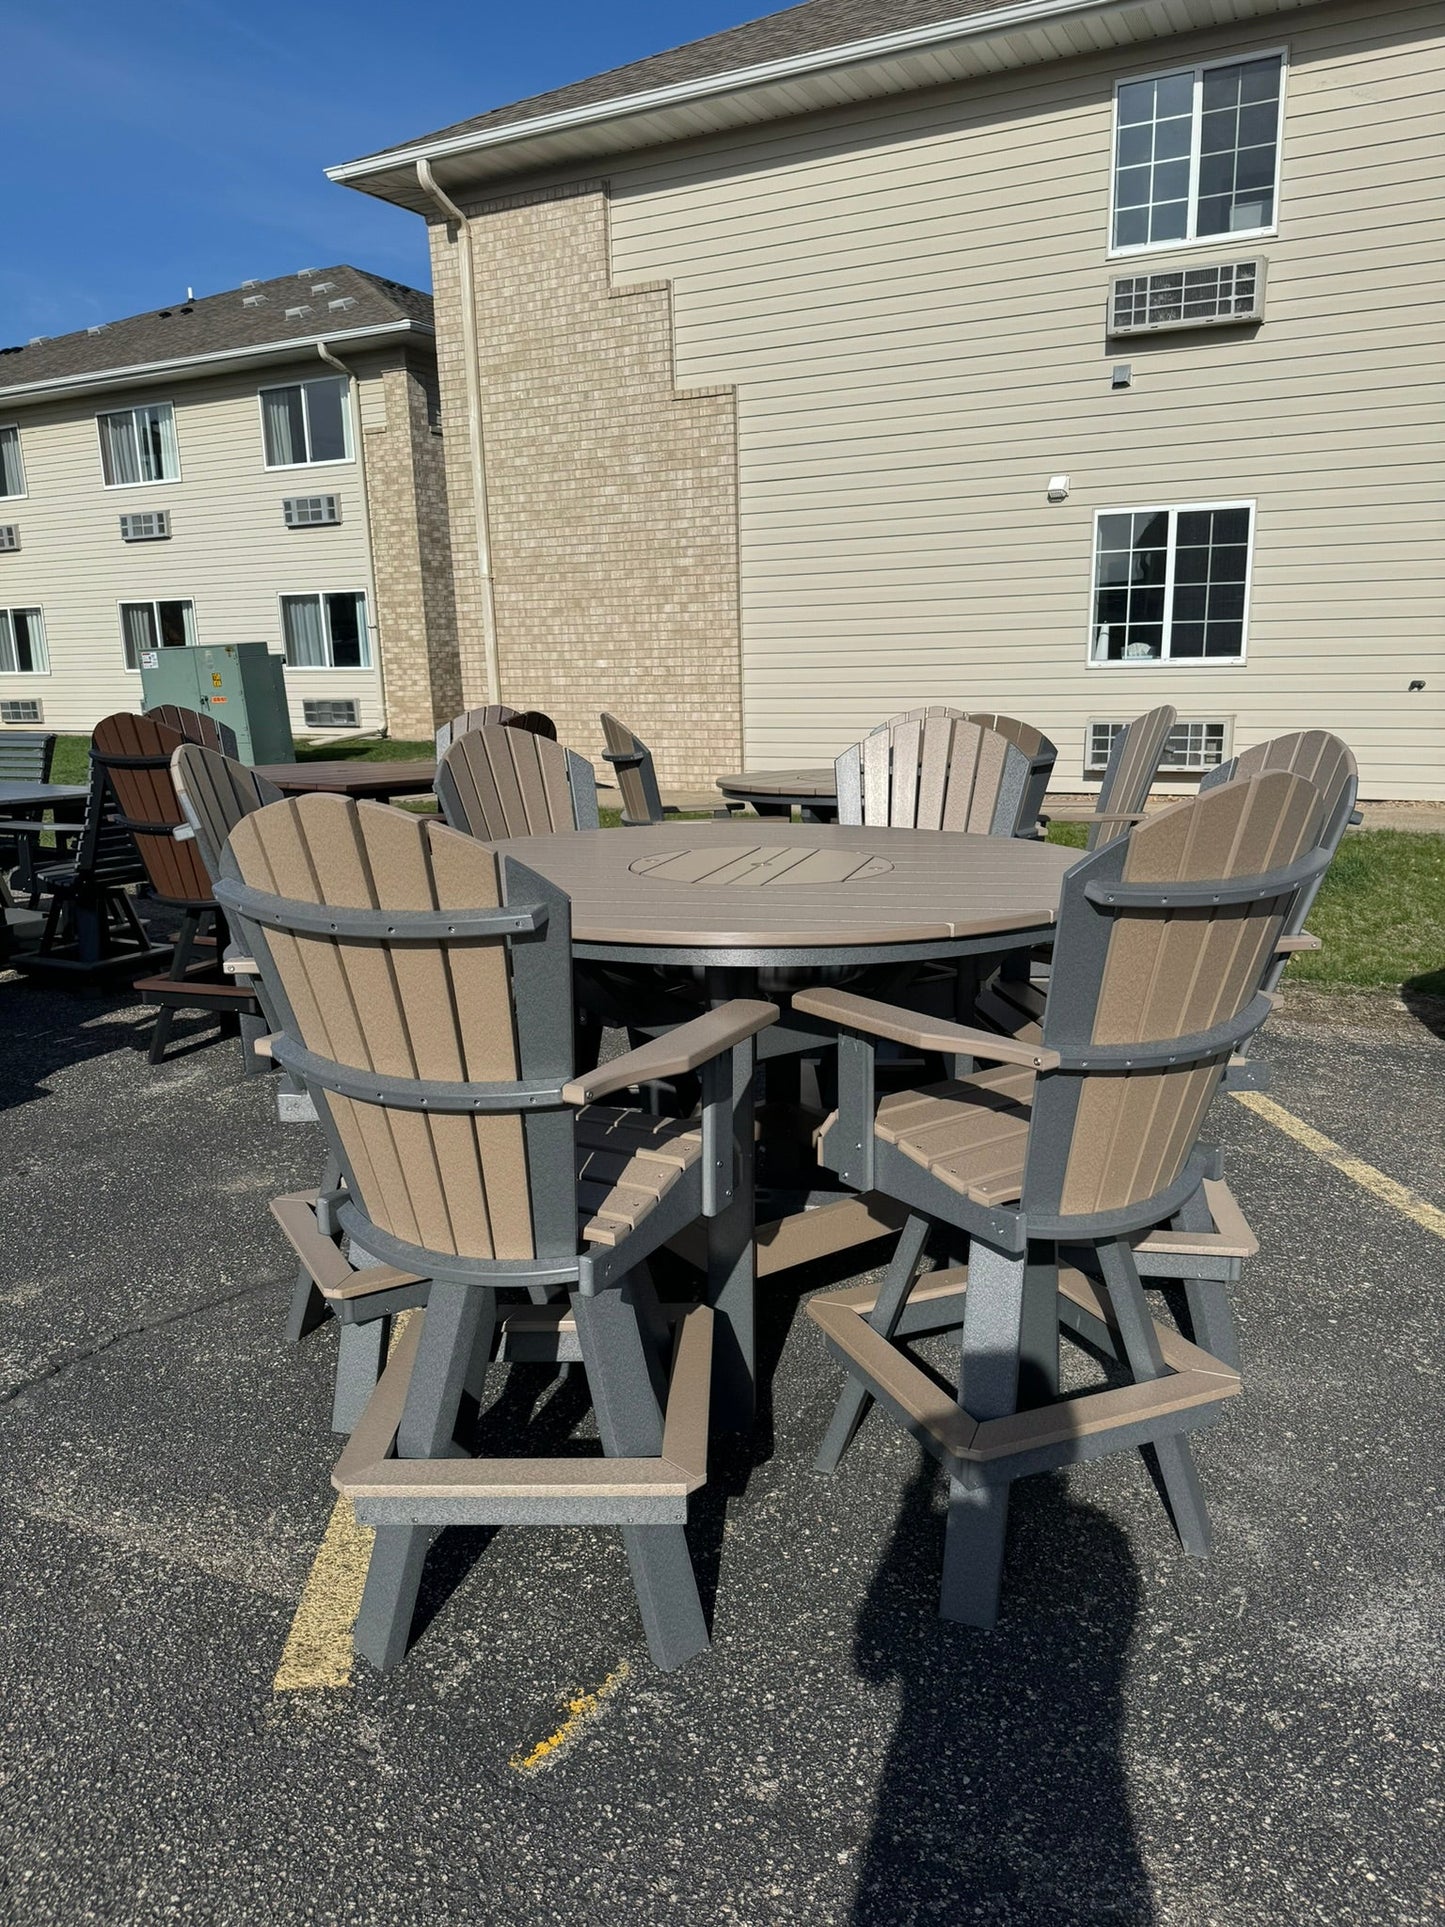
column 498, row 782
column 491, row 715
column 636, row 773
column 26, row 756
column 935, row 772
column 215, row 792
column 451, row 1183
column 135, row 753
column 1134, row 759
column 1108, row 1136
column 1042, row 755
column 193, row 726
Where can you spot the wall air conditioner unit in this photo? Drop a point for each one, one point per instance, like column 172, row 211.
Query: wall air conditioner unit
column 1227, row 295
column 1191, row 748
column 332, row 713
column 9, row 536
column 25, row 709
column 146, row 525
column 310, row 511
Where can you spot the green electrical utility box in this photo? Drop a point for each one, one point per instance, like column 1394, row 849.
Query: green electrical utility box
column 241, row 684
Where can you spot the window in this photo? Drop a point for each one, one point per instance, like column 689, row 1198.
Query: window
column 151, row 525
column 12, row 474
column 308, row 422
column 1196, row 153
column 1191, row 746
column 1171, row 585
column 310, row 511
column 22, row 643
column 344, row 713
column 9, row 536
column 325, row 631
column 155, row 625
column 139, row 445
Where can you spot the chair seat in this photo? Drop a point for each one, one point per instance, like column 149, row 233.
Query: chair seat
column 627, row 1162
column 971, row 1133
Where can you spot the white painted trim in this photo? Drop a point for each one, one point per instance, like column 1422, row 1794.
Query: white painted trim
column 328, row 668
column 1152, row 664
column 348, row 428
column 24, row 495
column 165, row 481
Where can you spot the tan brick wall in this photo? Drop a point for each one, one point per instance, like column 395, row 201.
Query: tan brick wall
column 411, row 551
column 613, row 494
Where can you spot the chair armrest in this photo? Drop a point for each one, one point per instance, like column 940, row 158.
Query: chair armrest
column 1302, row 940
column 687, row 1048
column 239, row 967
column 1091, row 816
column 899, row 1026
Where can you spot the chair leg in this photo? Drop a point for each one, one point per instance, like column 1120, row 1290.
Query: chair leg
column 308, row 1307
column 388, row 1601
column 180, row 958
column 1211, row 1322
column 629, row 1419
column 731, row 1268
column 855, row 1399
column 993, row 1317
column 1141, row 1347
column 360, row 1356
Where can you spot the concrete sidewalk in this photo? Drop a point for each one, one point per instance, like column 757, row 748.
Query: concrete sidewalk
column 1142, row 1740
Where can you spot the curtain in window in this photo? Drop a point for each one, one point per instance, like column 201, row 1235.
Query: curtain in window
column 9, row 662
column 138, row 627
column 156, row 437
column 285, row 429
column 28, row 646
column 301, row 621
column 118, row 450
column 12, row 479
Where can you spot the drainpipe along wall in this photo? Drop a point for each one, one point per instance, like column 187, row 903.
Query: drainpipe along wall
column 466, row 270
column 373, row 612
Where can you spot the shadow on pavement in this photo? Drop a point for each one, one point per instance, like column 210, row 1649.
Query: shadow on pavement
column 1424, row 998
column 1003, row 1798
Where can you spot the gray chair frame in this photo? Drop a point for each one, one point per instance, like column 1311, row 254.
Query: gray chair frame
column 401, row 1468
column 1011, row 1302
column 1129, row 775
column 636, row 774
column 498, row 782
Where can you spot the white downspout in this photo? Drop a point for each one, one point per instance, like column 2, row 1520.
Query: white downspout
column 466, row 270
column 373, row 611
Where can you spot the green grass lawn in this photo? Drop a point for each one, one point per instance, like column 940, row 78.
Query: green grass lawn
column 1380, row 915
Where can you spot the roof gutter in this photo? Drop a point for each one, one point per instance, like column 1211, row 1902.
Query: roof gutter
column 146, row 371
column 459, row 228
column 1024, row 13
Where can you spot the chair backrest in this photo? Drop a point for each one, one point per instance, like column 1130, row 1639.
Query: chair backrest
column 135, row 754
column 636, row 774
column 495, row 782
column 1042, row 755
column 935, row 773
column 26, row 756
column 193, row 726
column 215, row 792
column 425, row 997
column 106, row 853
column 1162, row 943
column 1330, row 766
column 491, row 714
column 1134, row 759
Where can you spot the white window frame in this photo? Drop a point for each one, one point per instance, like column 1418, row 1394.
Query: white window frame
column 1152, row 664
column 165, row 481
column 366, row 668
column 1191, row 240
column 348, row 426
column 20, row 451
column 30, row 609
column 125, row 601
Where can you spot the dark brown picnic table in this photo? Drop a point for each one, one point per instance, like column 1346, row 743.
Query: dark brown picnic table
column 777, row 792
column 378, row 782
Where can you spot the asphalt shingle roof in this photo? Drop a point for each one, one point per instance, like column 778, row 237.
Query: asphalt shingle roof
column 218, row 322
column 810, row 28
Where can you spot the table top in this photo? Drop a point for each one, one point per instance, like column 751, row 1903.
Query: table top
column 352, row 778
column 685, row 888
column 13, row 795
column 821, row 781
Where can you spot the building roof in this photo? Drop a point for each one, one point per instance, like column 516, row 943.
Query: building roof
column 811, row 28
column 250, row 320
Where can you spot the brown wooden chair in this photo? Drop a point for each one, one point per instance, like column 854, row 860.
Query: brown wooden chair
column 936, row 772
column 499, row 715
column 135, row 752
column 497, row 782
column 631, row 760
column 425, row 992
column 194, row 726
column 1081, row 1143
column 1134, row 759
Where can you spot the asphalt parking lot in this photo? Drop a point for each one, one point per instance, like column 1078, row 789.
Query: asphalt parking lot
column 1142, row 1740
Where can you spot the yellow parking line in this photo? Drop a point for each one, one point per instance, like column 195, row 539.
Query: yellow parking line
column 581, row 1712
column 318, row 1654
column 1419, row 1209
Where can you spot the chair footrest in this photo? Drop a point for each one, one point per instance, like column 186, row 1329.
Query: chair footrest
column 1070, row 1428
column 654, row 1491
column 197, row 991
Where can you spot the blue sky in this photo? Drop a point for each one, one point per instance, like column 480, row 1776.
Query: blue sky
column 189, row 153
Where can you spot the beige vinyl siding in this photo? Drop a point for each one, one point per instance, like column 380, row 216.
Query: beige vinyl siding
column 229, row 551
column 910, row 300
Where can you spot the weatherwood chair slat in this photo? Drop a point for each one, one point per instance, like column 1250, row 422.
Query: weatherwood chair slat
column 936, row 773
column 425, row 998
column 497, row 782
column 499, row 715
column 1134, row 759
column 1042, row 754
column 1079, row 1143
column 135, row 753
column 636, row 774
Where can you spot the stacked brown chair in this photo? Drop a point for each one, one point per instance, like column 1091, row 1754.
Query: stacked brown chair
column 425, row 994
column 494, row 715
column 632, row 763
column 1084, row 1140
column 936, row 772
column 497, row 782
column 192, row 726
column 134, row 753
column 1134, row 759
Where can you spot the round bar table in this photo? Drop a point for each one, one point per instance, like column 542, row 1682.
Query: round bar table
column 377, row 781
column 794, row 898
column 777, row 792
